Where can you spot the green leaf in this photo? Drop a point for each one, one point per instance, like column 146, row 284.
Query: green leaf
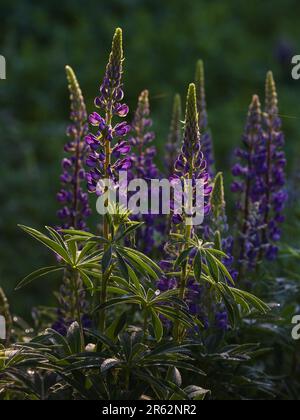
column 129, row 230
column 122, row 266
column 198, row 266
column 87, row 281
column 212, row 266
column 183, row 257
column 49, row 243
column 134, row 279
column 37, row 274
column 107, row 259
column 157, row 326
column 117, row 326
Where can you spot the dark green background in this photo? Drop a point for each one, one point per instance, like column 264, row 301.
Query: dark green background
column 239, row 41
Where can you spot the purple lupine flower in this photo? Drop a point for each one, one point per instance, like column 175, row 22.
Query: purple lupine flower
column 175, row 136
column 142, row 139
column 276, row 195
column 75, row 204
column 107, row 145
column 206, row 138
column 250, row 171
column 222, row 321
column 143, row 166
column 191, row 164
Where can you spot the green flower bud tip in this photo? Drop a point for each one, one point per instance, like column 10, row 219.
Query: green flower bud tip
column 218, row 196
column 191, row 133
column 77, row 100
column 271, row 95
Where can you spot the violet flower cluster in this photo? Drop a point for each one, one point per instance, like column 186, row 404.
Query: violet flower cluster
column 191, row 164
column 106, row 158
column 144, row 167
column 261, row 181
column 206, row 138
column 250, row 185
column 72, row 196
column 276, row 193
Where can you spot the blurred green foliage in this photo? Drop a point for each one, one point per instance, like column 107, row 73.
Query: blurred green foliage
column 238, row 40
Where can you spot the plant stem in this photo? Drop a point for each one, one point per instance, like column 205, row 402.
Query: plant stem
column 76, row 283
column 145, row 324
column 106, row 230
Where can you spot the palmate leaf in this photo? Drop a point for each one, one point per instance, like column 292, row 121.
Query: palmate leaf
column 37, row 274
column 141, row 264
column 53, row 245
column 145, row 258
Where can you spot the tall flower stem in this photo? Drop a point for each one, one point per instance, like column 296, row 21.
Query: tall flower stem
column 191, row 166
column 76, row 283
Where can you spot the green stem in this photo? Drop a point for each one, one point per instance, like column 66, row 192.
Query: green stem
column 106, row 230
column 76, row 283
column 145, row 328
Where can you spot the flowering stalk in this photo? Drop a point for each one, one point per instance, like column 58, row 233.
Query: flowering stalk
column 76, row 204
column 143, row 165
column 206, row 139
column 276, row 196
column 75, row 200
column 175, row 135
column 250, row 185
column 189, row 167
column 105, row 160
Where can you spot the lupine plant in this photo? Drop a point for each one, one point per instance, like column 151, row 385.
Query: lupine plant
column 207, row 144
column 144, row 167
column 135, row 322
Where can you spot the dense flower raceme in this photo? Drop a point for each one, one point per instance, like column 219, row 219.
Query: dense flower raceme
column 76, row 202
column 72, row 196
column 250, row 185
column 175, row 136
column 189, row 165
column 206, row 139
column 261, row 181
column 107, row 146
column 276, row 194
column 143, row 165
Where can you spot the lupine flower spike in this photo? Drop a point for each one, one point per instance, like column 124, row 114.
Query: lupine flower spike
column 250, row 185
column 175, row 135
column 206, row 139
column 191, row 163
column 143, row 165
column 76, row 208
column 72, row 196
column 276, row 195
column 107, row 146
